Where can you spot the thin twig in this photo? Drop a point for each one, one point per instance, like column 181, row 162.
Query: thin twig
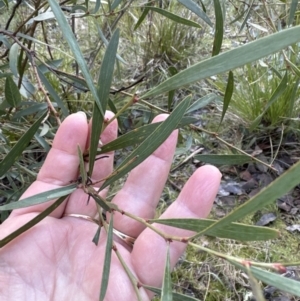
column 215, row 135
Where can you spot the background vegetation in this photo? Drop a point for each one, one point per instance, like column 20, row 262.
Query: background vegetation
column 227, row 71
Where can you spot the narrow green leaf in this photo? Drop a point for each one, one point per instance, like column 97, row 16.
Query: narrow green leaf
column 97, row 236
column 81, row 165
column 224, row 159
column 107, row 260
column 34, row 108
column 40, row 198
column 293, row 9
column 102, row 203
column 174, row 17
column 153, row 141
column 13, row 59
column 104, row 83
column 288, row 285
column 12, row 93
column 247, row 15
column 195, row 8
column 219, row 27
column 176, row 296
column 52, row 92
column 235, row 231
column 105, row 41
column 269, row 194
column 141, row 18
column 228, row 94
column 97, row 6
column 115, row 4
column 166, row 293
column 32, row 222
column 202, row 102
column 18, row 148
column 72, row 42
column 138, row 135
column 229, row 60
column 133, row 137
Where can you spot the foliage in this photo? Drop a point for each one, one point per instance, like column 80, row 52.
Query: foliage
column 49, row 70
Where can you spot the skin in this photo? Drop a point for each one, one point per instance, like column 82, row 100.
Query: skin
column 57, row 260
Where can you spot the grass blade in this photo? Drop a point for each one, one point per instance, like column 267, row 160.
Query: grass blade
column 276, row 189
column 153, row 141
column 276, row 94
column 31, row 223
column 195, row 8
column 224, row 159
column 174, row 17
column 107, row 260
column 219, row 28
column 228, row 94
column 40, row 198
column 17, row 150
column 229, row 60
column 235, row 231
column 166, row 293
column 72, row 42
column 104, row 83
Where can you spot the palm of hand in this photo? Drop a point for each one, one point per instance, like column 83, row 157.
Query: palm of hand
column 57, row 260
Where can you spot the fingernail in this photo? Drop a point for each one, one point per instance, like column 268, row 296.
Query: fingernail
column 82, row 113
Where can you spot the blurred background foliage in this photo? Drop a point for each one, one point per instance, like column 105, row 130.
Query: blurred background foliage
column 258, row 106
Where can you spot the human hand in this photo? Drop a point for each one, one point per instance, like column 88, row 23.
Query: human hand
column 57, row 260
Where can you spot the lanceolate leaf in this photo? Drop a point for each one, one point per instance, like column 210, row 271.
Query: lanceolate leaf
column 154, row 140
column 17, row 150
column 228, row 94
column 293, row 9
column 40, row 198
column 135, row 136
column 72, row 42
column 282, row 283
column 166, row 294
column 12, row 93
column 107, row 260
column 104, row 83
column 218, row 28
column 31, row 223
column 142, row 17
column 229, row 60
column 224, row 159
column 195, row 8
column 202, row 102
column 174, row 17
column 233, row 231
column 275, row 190
column 176, row 296
column 138, row 135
